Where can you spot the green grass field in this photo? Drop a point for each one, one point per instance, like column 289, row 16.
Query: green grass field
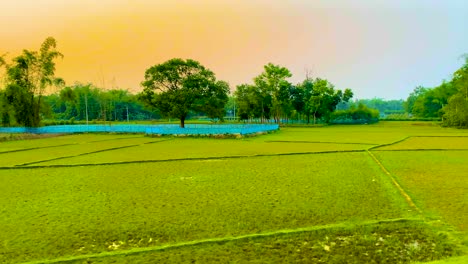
column 436, row 179
column 298, row 195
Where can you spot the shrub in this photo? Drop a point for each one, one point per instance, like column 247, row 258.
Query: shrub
column 360, row 115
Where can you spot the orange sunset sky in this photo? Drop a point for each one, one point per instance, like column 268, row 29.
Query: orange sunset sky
column 377, row 48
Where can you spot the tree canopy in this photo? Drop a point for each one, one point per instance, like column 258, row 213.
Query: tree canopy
column 28, row 76
column 456, row 110
column 272, row 85
column 179, row 86
column 81, row 102
column 272, row 96
column 447, row 101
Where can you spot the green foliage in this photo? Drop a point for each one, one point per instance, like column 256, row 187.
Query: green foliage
column 419, row 91
column 448, row 101
column 268, row 97
column 273, row 96
column 28, row 76
column 324, row 99
column 179, row 86
column 456, row 111
column 431, row 101
column 6, row 110
column 385, row 107
column 301, row 97
column 360, row 115
column 272, row 83
column 82, row 101
column 251, row 103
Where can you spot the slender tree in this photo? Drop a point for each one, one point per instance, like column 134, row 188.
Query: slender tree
column 28, row 76
column 325, row 98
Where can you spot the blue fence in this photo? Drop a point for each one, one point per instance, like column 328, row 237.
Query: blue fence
column 210, row 129
column 190, row 129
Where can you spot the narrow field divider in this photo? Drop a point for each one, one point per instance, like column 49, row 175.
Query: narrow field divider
column 172, row 160
column 26, row 149
column 395, row 182
column 222, row 240
column 389, row 144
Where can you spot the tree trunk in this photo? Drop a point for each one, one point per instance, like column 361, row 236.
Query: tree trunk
column 36, row 112
column 182, row 122
column 263, row 110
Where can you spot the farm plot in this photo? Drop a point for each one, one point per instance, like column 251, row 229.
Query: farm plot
column 438, row 181
column 33, row 156
column 190, row 148
column 428, row 143
column 381, row 133
column 336, row 134
column 58, row 141
column 55, row 212
column 387, row 242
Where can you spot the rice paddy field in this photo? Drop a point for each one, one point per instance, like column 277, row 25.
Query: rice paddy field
column 393, row 192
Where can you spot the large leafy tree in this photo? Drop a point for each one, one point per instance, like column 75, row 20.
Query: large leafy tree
column 250, row 103
column 418, row 92
column 272, row 83
column 179, row 86
column 28, row 76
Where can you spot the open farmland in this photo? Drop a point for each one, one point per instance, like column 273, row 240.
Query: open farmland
column 436, row 179
column 297, row 195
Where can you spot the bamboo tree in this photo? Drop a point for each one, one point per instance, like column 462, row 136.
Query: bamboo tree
column 28, row 77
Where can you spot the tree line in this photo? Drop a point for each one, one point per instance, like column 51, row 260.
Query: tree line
column 24, row 102
column 385, row 107
column 448, row 101
column 85, row 102
column 181, row 88
column 271, row 95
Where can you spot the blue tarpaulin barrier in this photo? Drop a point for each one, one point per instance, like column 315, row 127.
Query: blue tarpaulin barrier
column 190, row 129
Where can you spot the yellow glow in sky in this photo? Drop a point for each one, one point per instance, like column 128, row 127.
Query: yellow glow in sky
column 112, row 42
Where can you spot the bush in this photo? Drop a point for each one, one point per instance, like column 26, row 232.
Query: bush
column 360, row 115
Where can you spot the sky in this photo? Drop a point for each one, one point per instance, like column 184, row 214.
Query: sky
column 377, row 48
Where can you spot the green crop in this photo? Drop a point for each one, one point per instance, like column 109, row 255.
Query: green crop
column 321, row 194
column 436, row 179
